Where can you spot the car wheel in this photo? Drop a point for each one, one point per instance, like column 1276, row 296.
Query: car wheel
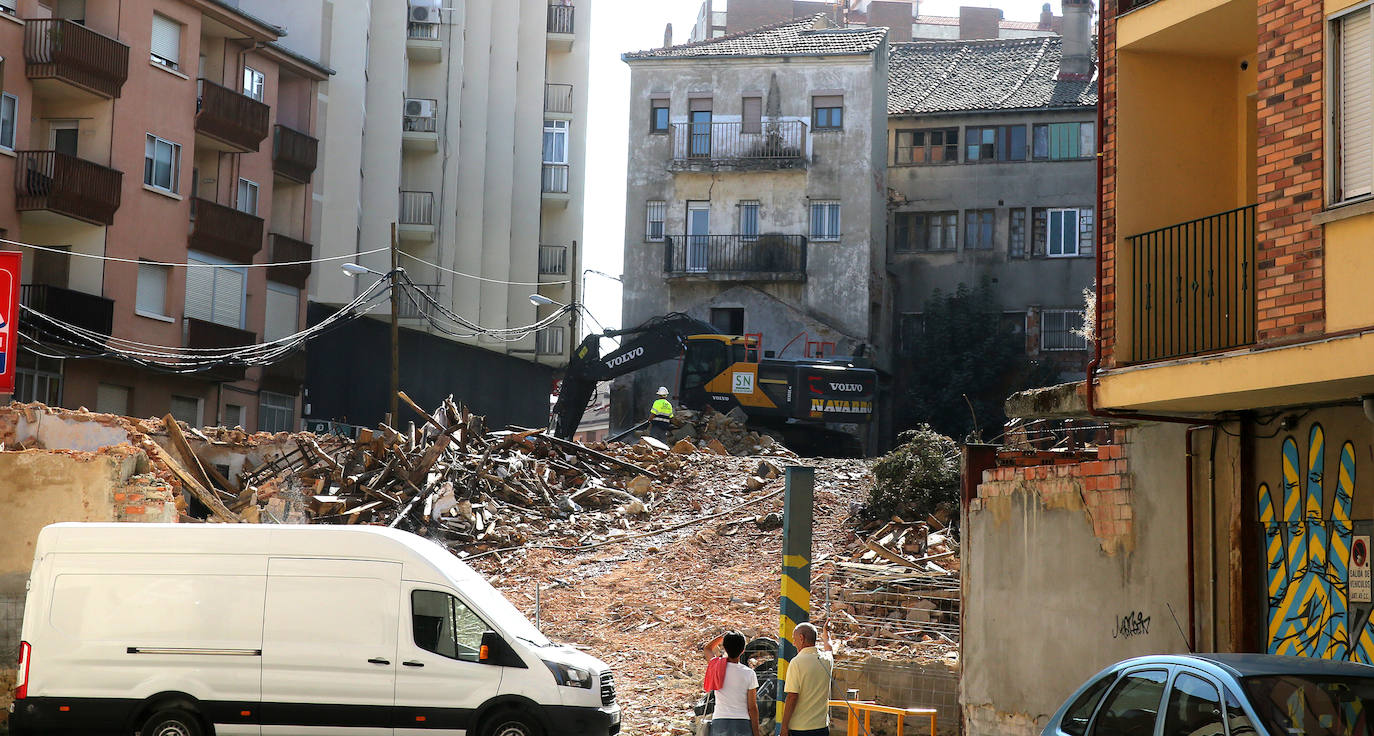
column 172, row 722
column 510, row 723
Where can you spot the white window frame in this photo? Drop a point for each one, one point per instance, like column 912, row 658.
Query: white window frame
column 559, row 130
column 1061, row 314
column 748, row 220
column 1343, row 188
column 269, row 401
column 221, row 264
column 830, row 220
column 652, row 208
column 14, row 120
column 254, row 83
column 152, row 272
column 250, row 188
column 150, row 173
column 1049, row 231
column 164, row 61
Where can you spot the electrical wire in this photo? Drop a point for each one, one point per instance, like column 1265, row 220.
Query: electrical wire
column 483, row 278
column 60, row 251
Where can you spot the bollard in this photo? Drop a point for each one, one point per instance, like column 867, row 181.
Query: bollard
column 795, row 602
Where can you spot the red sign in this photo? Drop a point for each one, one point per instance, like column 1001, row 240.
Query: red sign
column 9, row 319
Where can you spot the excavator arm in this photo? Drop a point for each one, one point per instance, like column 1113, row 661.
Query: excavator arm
column 658, row 339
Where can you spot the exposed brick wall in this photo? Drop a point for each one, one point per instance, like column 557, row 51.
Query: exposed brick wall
column 1106, row 222
column 1289, row 258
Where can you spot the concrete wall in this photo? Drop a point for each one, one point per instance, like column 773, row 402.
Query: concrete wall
column 1068, row 569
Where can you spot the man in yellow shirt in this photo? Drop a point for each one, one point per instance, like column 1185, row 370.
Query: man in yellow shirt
column 806, row 711
column 661, row 416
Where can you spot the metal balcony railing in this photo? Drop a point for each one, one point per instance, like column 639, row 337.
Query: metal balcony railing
column 561, row 18
column 549, row 341
column 411, row 305
column 55, row 48
column 67, row 185
column 422, row 31
column 775, row 255
column 288, row 250
column 418, row 123
column 225, row 232
column 1127, row 5
column 555, row 179
column 553, row 260
column 294, row 154
column 87, row 311
column 234, row 119
column 772, row 143
column 1193, row 286
column 558, row 98
column 417, row 208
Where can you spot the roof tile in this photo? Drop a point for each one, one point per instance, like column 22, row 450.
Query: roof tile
column 806, row 36
column 997, row 74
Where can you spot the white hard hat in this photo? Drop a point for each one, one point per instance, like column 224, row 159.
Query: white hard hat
column 662, row 390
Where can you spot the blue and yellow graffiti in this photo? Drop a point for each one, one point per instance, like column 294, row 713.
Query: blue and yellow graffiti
column 1308, row 557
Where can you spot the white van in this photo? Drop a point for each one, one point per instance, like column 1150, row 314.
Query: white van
column 192, row 630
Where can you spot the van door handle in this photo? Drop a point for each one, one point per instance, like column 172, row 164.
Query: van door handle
column 379, row 660
column 413, row 663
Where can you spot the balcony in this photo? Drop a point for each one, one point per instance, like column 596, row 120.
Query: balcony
column 553, row 260
column 62, row 57
column 203, row 335
column 560, row 27
column 768, row 257
column 558, row 100
column 415, row 221
column 554, row 185
column 423, row 42
column 773, row 144
column 229, row 121
column 411, row 305
column 87, row 311
column 420, row 125
column 66, row 185
column 294, row 154
column 1193, row 287
column 549, row 341
column 288, row 250
column 224, row 231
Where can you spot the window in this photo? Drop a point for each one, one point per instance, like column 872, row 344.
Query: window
column 925, row 231
column 248, row 197
column 728, row 320
column 658, row 116
column 72, row 10
column 253, row 82
column 1065, row 231
column 549, row 341
column 937, row 146
column 276, row 412
column 9, row 116
column 152, row 289
column 699, row 140
column 215, row 294
column 655, row 210
column 1194, row 708
column 64, row 136
column 112, row 399
column 166, row 42
column 1060, row 141
column 37, row 378
column 995, row 143
column 825, row 220
column 749, row 219
column 827, row 112
column 751, row 115
column 978, row 229
column 186, row 409
column 1075, row 722
column 555, row 141
column 1059, row 330
column 283, row 311
column 233, row 416
column 1016, row 234
column 1132, row 704
column 442, row 624
column 7, row 7
column 161, row 164
column 1351, row 112
column 910, row 327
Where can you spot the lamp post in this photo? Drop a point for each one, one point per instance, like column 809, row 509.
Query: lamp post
column 354, row 269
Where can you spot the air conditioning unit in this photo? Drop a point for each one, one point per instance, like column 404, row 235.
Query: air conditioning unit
column 419, row 108
column 424, row 11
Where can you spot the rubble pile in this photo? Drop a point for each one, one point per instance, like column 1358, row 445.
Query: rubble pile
column 722, row 434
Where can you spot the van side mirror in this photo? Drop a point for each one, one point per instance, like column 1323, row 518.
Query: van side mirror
column 496, row 650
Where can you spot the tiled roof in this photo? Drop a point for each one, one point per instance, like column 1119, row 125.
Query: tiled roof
column 951, row 20
column 999, row 74
column 811, row 35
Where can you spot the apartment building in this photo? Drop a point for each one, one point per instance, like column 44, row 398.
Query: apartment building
column 902, row 18
column 464, row 124
column 755, row 195
column 993, row 176
column 159, row 133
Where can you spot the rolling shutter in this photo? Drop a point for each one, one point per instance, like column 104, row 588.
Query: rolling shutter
column 166, row 41
column 1355, row 89
column 283, row 303
column 229, row 289
column 200, row 291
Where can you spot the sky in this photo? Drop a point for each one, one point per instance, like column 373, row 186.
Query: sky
column 619, row 26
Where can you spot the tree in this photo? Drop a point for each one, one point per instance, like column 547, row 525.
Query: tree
column 964, row 362
column 919, row 477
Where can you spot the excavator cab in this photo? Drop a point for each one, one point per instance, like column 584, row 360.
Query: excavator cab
column 707, row 356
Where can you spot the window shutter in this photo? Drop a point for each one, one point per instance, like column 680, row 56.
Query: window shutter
column 229, row 286
column 751, row 118
column 1085, row 231
column 200, row 291
column 827, row 101
column 699, row 104
column 166, row 41
column 1039, row 232
column 1356, row 93
column 282, row 310
column 152, row 289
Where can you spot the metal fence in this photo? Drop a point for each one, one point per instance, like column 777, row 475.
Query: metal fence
column 420, row 115
column 417, row 208
column 766, row 140
column 555, row 178
column 560, row 18
column 553, row 260
column 558, row 98
column 422, row 31
column 738, row 254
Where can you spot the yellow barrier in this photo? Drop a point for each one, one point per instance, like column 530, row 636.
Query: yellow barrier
column 868, row 708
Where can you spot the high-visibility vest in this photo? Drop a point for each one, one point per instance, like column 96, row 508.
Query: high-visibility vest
column 662, row 408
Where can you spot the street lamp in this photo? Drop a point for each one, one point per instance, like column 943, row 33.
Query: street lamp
column 539, row 300
column 353, row 269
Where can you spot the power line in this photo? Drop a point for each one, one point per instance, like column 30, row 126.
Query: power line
column 483, row 278
column 115, row 259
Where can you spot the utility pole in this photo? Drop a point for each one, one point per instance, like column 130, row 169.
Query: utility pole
column 395, row 334
column 795, row 603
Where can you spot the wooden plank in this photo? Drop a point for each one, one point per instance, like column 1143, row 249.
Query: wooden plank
column 188, row 481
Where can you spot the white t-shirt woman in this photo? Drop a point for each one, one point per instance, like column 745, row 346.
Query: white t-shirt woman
column 736, row 711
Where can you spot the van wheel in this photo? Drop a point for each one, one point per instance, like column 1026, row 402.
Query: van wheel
column 172, row 722
column 509, row 723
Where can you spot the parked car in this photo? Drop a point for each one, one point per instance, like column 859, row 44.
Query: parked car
column 1221, row 694
column 190, row 630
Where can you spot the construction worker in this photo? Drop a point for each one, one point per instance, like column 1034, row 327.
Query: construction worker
column 661, row 416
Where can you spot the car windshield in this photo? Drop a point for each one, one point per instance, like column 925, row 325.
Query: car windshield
column 1313, row 705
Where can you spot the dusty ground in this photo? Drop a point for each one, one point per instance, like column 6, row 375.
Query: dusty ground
column 646, row 606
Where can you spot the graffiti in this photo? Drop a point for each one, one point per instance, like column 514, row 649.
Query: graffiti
column 1132, row 624
column 1307, row 554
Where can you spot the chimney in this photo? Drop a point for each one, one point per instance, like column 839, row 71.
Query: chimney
column 1075, row 60
column 977, row 23
column 1046, row 18
column 668, row 35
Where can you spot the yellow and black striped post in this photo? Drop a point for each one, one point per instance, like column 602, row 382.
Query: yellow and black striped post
column 795, row 603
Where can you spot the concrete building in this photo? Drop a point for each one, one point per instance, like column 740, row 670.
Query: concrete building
column 992, row 176
column 755, row 194
column 902, row 18
column 465, row 124
column 161, row 133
